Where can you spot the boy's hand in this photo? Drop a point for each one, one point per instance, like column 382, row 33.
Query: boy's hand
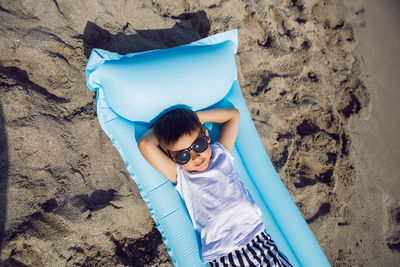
column 230, row 117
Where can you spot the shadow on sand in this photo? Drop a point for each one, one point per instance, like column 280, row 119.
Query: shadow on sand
column 189, row 27
column 3, row 177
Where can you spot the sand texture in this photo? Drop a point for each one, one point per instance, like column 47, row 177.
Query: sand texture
column 308, row 71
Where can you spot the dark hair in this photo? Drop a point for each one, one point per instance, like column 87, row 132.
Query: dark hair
column 174, row 124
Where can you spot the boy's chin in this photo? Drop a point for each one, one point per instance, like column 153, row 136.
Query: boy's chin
column 201, row 168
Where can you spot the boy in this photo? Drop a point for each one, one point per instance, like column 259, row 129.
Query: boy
column 223, row 213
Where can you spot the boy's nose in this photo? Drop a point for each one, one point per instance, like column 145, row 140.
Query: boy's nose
column 194, row 155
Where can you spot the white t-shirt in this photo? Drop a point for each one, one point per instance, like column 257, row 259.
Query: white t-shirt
column 222, row 211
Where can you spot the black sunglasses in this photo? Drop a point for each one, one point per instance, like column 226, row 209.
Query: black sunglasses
column 198, row 146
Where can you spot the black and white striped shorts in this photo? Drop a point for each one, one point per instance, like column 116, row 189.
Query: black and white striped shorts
column 261, row 251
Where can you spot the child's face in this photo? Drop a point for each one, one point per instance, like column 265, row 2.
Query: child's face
column 198, row 161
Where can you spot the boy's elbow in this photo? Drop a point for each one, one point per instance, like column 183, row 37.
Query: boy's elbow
column 236, row 113
column 147, row 144
column 143, row 144
column 234, row 110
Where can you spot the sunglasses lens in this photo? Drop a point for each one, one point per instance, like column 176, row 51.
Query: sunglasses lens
column 182, row 157
column 200, row 145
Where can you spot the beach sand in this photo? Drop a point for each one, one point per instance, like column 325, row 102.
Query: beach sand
column 375, row 205
column 320, row 79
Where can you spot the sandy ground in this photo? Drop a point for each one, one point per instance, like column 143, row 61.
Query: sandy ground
column 320, row 79
column 375, row 206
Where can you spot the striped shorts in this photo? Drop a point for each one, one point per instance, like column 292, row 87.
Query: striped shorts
column 261, row 251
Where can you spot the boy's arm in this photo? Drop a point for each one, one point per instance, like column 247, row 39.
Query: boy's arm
column 148, row 146
column 230, row 117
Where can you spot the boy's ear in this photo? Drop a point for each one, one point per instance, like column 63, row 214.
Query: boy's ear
column 207, row 134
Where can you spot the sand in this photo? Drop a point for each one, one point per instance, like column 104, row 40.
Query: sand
column 320, row 79
column 376, row 202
